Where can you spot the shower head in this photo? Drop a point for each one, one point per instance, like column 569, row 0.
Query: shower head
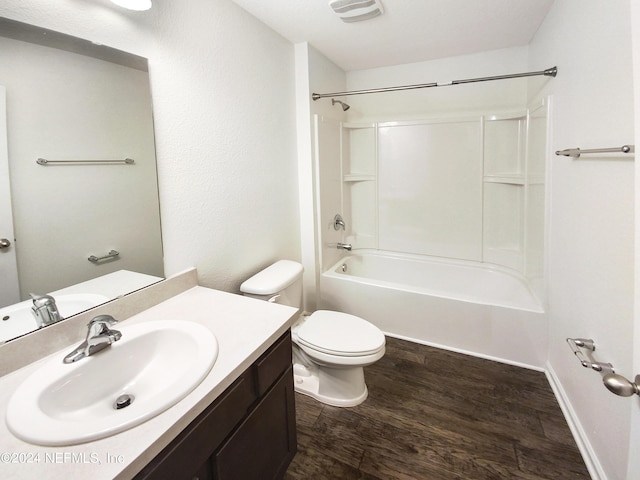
column 345, row 107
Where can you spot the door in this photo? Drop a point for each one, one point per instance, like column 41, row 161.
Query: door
column 9, row 292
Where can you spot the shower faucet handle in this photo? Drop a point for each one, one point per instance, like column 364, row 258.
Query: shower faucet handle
column 338, row 222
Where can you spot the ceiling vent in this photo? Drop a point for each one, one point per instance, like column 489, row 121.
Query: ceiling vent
column 356, row 10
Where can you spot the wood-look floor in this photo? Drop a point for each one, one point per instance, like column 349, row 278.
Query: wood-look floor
column 437, row 415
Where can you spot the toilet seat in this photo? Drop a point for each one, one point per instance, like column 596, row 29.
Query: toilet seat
column 339, row 334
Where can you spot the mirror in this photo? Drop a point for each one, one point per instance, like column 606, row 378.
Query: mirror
column 77, row 216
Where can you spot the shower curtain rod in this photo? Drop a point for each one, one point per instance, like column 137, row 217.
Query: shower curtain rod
column 549, row 72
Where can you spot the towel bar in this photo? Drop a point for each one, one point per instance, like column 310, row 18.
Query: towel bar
column 45, row 162
column 111, row 254
column 576, row 152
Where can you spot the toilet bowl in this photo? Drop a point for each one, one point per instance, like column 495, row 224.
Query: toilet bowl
column 330, row 348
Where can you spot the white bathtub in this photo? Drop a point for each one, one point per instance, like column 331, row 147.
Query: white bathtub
column 462, row 306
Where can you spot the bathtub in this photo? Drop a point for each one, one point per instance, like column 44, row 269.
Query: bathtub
column 468, row 307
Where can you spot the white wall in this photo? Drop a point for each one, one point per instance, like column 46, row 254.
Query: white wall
column 315, row 74
column 330, row 201
column 590, row 242
column 224, row 114
column 430, row 189
column 225, row 126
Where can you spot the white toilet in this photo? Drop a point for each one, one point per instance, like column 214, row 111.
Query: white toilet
column 330, row 348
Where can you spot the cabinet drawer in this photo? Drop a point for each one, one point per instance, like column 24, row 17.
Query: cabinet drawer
column 196, row 443
column 272, row 364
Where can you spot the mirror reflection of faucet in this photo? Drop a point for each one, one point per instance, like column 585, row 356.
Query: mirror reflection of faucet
column 45, row 310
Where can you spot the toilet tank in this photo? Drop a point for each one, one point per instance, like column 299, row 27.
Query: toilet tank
column 278, row 283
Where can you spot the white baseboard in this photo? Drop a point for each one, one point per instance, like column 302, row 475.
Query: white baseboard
column 590, row 459
column 466, row 352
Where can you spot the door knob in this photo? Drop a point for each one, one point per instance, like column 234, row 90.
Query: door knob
column 4, row 243
column 620, row 385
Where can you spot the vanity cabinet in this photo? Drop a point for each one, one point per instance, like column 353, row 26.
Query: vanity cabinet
column 248, row 432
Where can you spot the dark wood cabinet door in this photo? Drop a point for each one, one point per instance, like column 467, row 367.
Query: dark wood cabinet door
column 181, row 459
column 265, row 443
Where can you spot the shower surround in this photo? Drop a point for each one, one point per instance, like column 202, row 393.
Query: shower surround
column 445, row 216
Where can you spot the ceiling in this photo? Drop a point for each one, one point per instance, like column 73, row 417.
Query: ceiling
column 408, row 31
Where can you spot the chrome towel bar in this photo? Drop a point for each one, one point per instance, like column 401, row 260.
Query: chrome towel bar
column 111, row 254
column 45, row 162
column 576, row 152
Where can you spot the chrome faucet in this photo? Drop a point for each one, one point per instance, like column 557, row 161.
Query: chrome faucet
column 45, row 310
column 99, row 337
column 344, row 246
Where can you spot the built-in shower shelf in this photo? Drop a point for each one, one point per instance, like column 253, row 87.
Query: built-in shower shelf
column 514, row 179
column 358, row 125
column 508, row 178
column 359, row 177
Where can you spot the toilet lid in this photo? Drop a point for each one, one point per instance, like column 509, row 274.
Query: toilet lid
column 340, row 334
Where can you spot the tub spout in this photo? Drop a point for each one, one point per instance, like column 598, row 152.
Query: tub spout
column 344, row 246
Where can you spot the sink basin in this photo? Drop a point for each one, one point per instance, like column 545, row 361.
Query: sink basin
column 155, row 364
column 17, row 319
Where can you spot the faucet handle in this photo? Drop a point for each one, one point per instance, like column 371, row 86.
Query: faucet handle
column 40, row 300
column 104, row 319
column 45, row 310
column 100, row 324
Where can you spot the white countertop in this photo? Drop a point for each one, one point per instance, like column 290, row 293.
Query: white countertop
column 244, row 327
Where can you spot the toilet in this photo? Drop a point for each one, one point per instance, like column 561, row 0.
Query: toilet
column 330, row 348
